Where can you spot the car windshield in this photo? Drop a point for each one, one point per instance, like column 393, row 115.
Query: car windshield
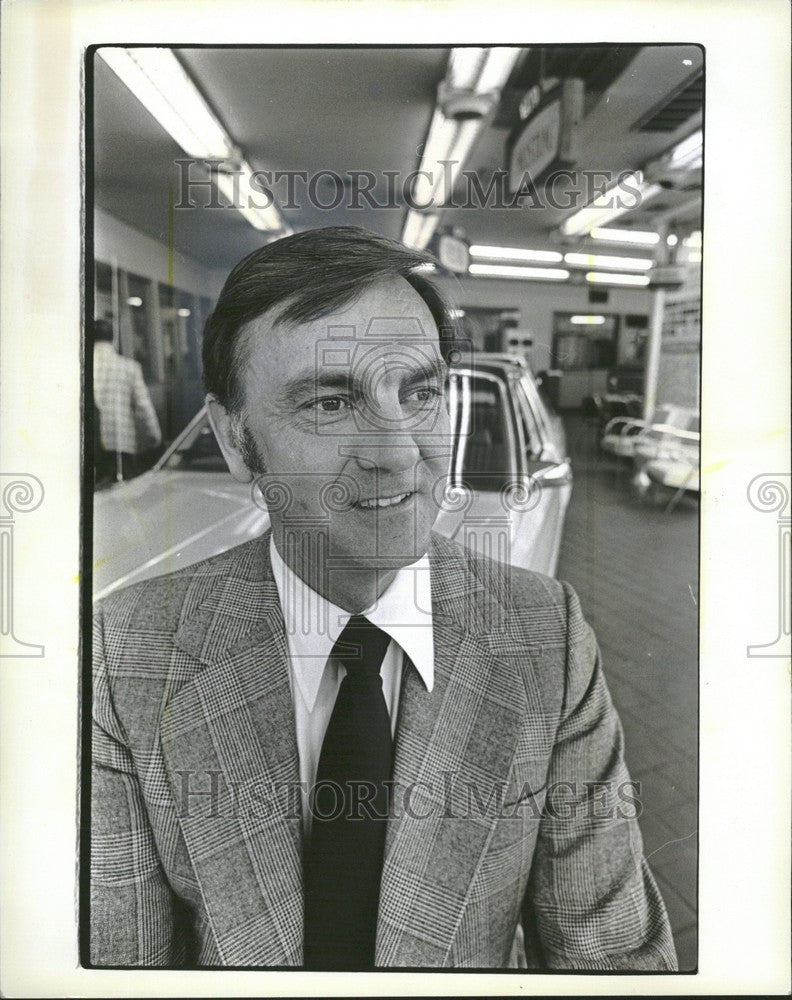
column 197, row 450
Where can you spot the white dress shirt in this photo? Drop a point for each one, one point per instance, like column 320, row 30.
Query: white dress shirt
column 403, row 611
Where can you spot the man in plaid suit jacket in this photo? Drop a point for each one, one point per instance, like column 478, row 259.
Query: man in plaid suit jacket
column 513, row 839
column 126, row 423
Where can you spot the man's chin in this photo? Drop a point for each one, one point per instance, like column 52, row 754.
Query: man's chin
column 385, row 545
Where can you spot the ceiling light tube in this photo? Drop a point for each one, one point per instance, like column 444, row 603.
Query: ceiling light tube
column 603, row 260
column 449, row 141
column 498, row 64
column 516, row 253
column 419, row 228
column 637, row 236
column 606, row 206
column 587, row 320
column 507, row 271
column 686, row 155
column 602, row 278
column 162, row 85
column 236, row 187
column 464, row 66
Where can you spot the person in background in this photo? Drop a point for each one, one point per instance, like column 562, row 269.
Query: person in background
column 125, row 421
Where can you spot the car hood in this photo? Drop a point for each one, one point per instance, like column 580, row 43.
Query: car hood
column 164, row 520
column 167, row 519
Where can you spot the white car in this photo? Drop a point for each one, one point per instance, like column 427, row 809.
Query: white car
column 510, row 484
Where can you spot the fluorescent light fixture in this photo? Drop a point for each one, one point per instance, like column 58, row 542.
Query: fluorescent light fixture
column 498, row 64
column 587, row 320
column 183, row 312
column 694, row 256
column 516, row 253
column 694, row 240
column 607, row 206
column 602, row 278
column 464, row 67
column 480, row 69
column 507, row 271
column 449, row 140
column 419, row 228
column 162, row 85
column 134, row 300
column 236, row 187
column 159, row 81
column 602, row 260
column 686, row 155
column 637, row 236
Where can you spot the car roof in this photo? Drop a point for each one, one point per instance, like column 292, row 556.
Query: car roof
column 501, row 364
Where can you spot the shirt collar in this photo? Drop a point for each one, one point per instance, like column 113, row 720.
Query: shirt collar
column 403, row 611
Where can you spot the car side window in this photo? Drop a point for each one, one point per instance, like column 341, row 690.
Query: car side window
column 532, row 432
column 483, row 452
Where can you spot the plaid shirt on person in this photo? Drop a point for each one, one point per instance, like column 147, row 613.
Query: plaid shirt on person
column 127, row 419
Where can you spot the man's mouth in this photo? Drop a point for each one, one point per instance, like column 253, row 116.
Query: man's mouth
column 374, row 503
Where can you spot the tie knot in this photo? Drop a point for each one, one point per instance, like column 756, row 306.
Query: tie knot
column 361, row 647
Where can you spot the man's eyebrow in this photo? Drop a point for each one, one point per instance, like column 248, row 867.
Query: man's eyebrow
column 310, row 381
column 436, row 369
column 344, row 381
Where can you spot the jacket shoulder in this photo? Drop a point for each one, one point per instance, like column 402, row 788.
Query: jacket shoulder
column 533, row 609
column 163, row 603
column 516, row 586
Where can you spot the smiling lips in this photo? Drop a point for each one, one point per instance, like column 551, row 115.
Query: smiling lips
column 377, row 502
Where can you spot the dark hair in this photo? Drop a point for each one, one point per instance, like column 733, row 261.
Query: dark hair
column 102, row 330
column 311, row 274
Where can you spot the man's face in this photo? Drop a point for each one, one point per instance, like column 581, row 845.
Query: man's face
column 347, row 414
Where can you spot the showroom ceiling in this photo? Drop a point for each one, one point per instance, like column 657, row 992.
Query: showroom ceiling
column 369, row 109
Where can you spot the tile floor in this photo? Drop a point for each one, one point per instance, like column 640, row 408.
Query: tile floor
column 634, row 565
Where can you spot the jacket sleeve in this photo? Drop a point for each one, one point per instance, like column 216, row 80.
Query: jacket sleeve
column 592, row 902
column 133, row 912
column 147, row 425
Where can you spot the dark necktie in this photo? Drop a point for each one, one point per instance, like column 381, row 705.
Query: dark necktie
column 343, row 863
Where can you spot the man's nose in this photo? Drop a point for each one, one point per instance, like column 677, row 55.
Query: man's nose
column 385, row 437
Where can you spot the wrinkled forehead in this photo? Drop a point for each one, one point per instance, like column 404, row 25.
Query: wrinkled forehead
column 389, row 309
column 389, row 322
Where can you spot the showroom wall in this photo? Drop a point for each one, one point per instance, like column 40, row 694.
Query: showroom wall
column 116, row 242
column 537, row 301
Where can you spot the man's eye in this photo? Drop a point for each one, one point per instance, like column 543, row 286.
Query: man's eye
column 426, row 392
column 331, row 404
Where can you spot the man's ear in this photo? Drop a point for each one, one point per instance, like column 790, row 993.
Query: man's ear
column 222, row 423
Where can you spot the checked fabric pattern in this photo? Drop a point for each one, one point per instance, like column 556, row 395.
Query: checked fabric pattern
column 196, row 848
column 127, row 418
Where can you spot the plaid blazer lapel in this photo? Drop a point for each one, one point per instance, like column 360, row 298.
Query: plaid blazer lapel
column 461, row 734
column 229, row 732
